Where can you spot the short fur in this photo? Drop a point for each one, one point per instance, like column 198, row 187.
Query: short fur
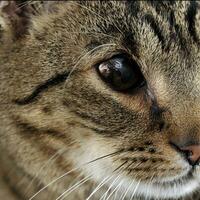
column 58, row 116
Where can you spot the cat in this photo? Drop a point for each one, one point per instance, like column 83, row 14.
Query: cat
column 99, row 100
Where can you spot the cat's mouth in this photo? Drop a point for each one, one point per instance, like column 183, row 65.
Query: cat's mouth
column 177, row 187
column 188, row 175
column 178, row 182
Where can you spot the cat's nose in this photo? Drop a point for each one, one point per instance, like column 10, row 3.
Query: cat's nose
column 191, row 153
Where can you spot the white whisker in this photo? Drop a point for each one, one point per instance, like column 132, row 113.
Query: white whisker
column 136, row 187
column 85, row 55
column 149, row 182
column 113, row 191
column 71, row 189
column 123, row 197
column 105, row 180
column 47, row 164
column 67, row 173
column 104, row 196
column 52, row 182
column 118, row 188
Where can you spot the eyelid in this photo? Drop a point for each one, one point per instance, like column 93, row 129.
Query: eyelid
column 125, row 74
column 107, row 55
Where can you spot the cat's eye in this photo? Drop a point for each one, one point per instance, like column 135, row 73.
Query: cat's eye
column 121, row 73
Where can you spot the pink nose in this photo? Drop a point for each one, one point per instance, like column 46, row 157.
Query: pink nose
column 192, row 153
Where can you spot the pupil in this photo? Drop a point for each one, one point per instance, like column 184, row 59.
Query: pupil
column 121, row 73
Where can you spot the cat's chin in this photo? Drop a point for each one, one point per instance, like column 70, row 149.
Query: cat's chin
column 177, row 188
column 163, row 191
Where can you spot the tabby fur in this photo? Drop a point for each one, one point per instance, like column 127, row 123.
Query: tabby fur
column 57, row 116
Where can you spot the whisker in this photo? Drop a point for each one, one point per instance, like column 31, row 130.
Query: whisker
column 152, row 177
column 149, row 182
column 122, row 180
column 119, row 186
column 85, row 55
column 111, row 154
column 134, row 166
column 75, row 186
column 135, row 190
column 47, row 164
column 123, row 196
column 77, row 179
column 120, row 166
column 105, row 180
column 52, row 182
column 65, row 174
column 23, row 4
column 29, row 2
column 104, row 196
column 114, row 190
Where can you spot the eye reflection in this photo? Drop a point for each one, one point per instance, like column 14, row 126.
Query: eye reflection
column 121, row 73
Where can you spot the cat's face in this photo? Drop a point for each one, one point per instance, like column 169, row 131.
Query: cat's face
column 144, row 121
column 131, row 98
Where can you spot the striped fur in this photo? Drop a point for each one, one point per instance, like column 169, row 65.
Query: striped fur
column 58, row 117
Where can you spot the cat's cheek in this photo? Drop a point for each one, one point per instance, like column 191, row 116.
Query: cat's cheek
column 95, row 156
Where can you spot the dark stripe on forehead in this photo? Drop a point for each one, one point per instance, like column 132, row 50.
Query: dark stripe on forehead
column 176, row 33
column 162, row 8
column 130, row 43
column 155, row 27
column 159, row 5
column 53, row 81
column 172, row 35
column 133, row 7
column 172, row 19
column 190, row 18
column 182, row 40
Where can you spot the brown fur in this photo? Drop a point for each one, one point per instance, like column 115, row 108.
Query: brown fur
column 54, row 102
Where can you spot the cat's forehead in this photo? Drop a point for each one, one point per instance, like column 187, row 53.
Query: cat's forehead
column 153, row 26
column 162, row 35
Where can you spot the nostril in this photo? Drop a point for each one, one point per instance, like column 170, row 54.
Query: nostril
column 191, row 153
column 188, row 154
